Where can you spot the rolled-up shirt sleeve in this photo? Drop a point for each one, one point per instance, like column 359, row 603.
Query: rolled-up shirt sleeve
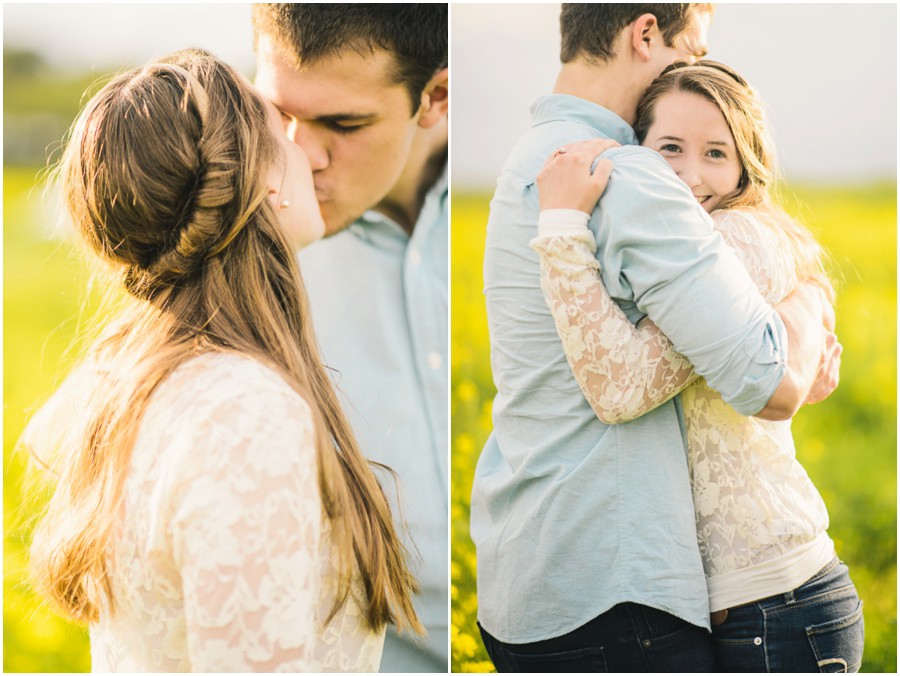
column 658, row 250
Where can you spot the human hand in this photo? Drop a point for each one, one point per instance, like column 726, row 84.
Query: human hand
column 566, row 180
column 828, row 376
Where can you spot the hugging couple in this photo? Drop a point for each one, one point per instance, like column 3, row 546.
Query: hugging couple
column 638, row 505
column 218, row 502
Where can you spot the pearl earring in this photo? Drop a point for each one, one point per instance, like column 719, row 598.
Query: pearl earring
column 283, row 204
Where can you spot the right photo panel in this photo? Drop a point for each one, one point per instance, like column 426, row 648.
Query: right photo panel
column 673, row 338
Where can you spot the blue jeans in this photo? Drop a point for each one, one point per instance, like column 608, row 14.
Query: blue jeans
column 627, row 638
column 817, row 627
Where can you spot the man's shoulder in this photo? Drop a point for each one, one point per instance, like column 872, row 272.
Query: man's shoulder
column 540, row 141
column 642, row 174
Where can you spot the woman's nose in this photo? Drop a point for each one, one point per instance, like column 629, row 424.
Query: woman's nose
column 689, row 174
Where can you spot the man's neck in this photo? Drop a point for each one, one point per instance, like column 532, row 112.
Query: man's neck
column 427, row 159
column 612, row 86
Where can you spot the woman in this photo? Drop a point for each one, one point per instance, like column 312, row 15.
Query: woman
column 212, row 510
column 778, row 594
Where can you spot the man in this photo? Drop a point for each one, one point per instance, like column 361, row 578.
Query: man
column 363, row 90
column 587, row 555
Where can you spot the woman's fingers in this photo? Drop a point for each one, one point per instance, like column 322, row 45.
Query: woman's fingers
column 574, row 176
column 829, row 374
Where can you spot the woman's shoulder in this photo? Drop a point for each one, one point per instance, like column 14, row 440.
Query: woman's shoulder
column 223, row 378
column 737, row 216
column 751, row 225
column 228, row 401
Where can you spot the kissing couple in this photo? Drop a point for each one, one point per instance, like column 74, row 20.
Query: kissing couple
column 217, row 501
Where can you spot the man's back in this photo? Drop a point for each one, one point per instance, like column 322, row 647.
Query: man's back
column 569, row 516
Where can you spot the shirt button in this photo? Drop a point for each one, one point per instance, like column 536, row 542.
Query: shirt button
column 414, row 256
column 757, row 641
column 434, row 361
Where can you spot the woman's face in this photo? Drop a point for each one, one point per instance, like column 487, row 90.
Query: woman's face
column 690, row 132
column 291, row 187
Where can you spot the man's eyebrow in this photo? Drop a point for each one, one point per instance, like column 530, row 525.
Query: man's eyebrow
column 346, row 117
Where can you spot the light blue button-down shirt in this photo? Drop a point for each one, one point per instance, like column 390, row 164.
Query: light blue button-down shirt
column 570, row 516
column 380, row 307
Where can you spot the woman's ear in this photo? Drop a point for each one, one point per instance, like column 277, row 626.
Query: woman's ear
column 644, row 32
column 435, row 100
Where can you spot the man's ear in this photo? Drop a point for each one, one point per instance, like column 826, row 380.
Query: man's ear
column 644, row 32
column 435, row 99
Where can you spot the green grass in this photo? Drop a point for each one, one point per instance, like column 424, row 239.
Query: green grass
column 848, row 443
column 43, row 291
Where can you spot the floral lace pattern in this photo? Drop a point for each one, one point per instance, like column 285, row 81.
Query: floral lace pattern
column 624, row 370
column 753, row 501
column 223, row 560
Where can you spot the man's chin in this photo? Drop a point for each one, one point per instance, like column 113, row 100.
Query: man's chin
column 335, row 223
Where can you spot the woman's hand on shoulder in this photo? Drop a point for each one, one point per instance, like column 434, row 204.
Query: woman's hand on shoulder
column 575, row 176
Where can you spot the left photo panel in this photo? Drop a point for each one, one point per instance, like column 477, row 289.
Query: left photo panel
column 226, row 368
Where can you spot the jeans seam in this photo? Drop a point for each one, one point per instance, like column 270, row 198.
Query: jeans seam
column 832, row 595
column 830, row 566
column 637, row 636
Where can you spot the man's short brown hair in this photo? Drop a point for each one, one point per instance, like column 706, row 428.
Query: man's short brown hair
column 592, row 28
column 416, row 35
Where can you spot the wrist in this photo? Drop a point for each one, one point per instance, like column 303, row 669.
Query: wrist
column 562, row 222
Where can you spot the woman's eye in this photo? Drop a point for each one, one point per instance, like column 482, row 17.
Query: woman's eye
column 670, row 148
column 716, row 154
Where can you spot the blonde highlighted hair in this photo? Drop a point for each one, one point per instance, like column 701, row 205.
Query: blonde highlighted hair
column 163, row 176
column 745, row 116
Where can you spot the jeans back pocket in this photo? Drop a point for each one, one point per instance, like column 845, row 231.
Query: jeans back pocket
column 838, row 644
column 582, row 660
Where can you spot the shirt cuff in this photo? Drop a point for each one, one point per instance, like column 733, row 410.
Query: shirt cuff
column 562, row 223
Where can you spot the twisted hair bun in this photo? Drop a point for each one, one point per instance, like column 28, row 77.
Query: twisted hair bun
column 167, row 167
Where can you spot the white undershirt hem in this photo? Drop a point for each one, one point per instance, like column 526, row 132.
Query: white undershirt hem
column 766, row 579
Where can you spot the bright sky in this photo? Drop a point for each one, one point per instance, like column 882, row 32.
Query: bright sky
column 120, row 35
column 828, row 72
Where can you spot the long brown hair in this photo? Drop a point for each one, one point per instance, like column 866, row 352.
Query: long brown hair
column 163, row 177
column 745, row 116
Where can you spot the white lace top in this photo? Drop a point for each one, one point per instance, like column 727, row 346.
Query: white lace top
column 760, row 520
column 222, row 562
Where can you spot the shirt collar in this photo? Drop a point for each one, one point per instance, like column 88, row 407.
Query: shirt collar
column 564, row 107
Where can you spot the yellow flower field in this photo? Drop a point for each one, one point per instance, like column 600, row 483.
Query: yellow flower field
column 848, row 443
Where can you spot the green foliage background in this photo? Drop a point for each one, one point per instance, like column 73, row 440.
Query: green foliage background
column 848, row 443
column 43, row 291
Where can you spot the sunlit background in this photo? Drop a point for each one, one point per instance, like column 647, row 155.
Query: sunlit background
column 52, row 54
column 828, row 74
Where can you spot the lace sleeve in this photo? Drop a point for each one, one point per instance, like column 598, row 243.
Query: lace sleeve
column 623, row 370
column 246, row 531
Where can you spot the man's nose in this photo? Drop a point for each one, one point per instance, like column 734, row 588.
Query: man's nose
column 305, row 137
